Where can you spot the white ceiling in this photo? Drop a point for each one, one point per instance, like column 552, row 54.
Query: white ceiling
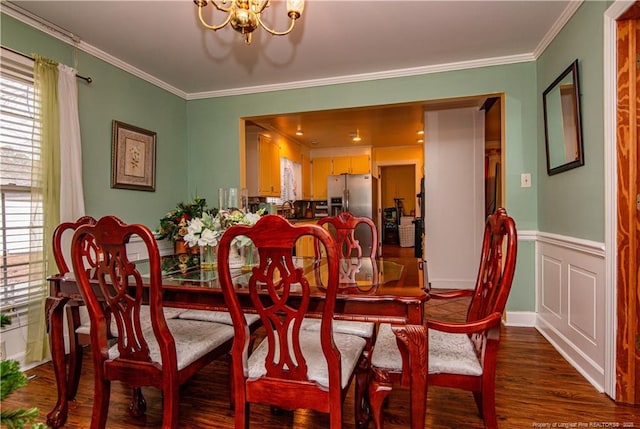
column 334, row 41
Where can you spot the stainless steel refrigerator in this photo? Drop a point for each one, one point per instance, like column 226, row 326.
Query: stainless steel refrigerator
column 358, row 194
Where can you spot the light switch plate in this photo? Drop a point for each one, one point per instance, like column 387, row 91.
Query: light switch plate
column 525, row 180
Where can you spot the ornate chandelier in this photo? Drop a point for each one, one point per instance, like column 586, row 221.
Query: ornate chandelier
column 244, row 15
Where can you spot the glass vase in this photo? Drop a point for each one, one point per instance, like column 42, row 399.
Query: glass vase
column 250, row 257
column 208, row 258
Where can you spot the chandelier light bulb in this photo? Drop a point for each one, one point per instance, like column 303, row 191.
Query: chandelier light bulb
column 244, row 15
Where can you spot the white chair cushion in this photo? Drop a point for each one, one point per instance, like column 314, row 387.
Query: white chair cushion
column 452, row 354
column 145, row 317
column 448, row 353
column 193, row 340
column 84, row 329
column 216, row 316
column 361, row 329
column 350, row 347
column 385, row 351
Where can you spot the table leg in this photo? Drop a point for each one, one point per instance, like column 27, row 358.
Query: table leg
column 54, row 312
column 414, row 338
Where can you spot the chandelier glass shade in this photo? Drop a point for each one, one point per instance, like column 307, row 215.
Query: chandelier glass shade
column 245, row 15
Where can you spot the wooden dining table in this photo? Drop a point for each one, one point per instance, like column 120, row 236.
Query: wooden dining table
column 371, row 290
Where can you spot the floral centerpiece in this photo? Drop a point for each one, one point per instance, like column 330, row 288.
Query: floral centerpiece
column 205, row 232
column 174, row 227
column 174, row 224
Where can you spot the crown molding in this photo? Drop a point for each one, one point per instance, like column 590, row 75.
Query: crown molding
column 116, row 62
column 363, row 77
column 69, row 38
column 566, row 15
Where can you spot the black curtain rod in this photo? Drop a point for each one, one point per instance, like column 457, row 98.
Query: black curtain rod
column 86, row 79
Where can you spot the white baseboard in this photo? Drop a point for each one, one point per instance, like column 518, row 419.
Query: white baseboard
column 576, row 357
column 521, row 318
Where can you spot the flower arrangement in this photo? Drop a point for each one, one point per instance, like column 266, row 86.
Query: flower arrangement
column 174, row 224
column 207, row 230
column 195, row 231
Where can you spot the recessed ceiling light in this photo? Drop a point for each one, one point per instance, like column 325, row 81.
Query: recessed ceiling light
column 299, row 131
column 420, row 140
column 357, row 137
column 420, row 132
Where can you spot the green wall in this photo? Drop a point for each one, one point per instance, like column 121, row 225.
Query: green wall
column 116, row 94
column 572, row 203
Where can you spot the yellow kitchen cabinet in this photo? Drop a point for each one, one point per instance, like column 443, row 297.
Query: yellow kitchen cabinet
column 359, row 164
column 305, row 245
column 263, row 166
column 320, row 170
column 341, row 164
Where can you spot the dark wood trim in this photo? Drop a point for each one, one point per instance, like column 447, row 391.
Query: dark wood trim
column 628, row 217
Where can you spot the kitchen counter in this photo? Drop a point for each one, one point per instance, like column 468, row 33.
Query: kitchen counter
column 303, row 220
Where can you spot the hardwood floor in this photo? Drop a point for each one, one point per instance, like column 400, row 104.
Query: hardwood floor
column 536, row 387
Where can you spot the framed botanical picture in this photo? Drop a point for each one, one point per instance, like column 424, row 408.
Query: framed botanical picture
column 133, row 158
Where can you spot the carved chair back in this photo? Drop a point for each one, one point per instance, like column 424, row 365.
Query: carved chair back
column 279, row 292
column 497, row 267
column 345, row 224
column 89, row 252
column 117, row 288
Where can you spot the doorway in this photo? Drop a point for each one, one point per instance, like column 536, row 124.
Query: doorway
column 397, row 202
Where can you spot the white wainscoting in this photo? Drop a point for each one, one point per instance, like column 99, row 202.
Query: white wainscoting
column 570, row 301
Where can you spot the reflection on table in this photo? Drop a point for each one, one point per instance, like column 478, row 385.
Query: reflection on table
column 363, row 274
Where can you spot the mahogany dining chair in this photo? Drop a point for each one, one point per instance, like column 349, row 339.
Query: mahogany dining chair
column 344, row 227
column 163, row 353
column 78, row 331
column 461, row 355
column 291, row 368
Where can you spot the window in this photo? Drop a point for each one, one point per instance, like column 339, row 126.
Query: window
column 290, row 180
column 19, row 146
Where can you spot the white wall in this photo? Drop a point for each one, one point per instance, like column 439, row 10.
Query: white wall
column 571, row 302
column 454, row 187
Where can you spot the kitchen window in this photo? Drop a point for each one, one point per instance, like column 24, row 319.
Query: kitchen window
column 21, row 225
column 290, row 180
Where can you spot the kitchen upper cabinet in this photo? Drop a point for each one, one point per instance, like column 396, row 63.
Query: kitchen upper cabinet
column 341, row 164
column 320, row 170
column 263, row 165
column 359, row 164
column 323, row 167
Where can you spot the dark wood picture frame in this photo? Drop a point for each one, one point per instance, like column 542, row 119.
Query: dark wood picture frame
column 563, row 123
column 133, row 158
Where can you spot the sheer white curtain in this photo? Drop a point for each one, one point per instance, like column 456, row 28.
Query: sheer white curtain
column 71, row 192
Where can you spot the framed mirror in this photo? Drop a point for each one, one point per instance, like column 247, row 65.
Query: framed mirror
column 562, row 122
